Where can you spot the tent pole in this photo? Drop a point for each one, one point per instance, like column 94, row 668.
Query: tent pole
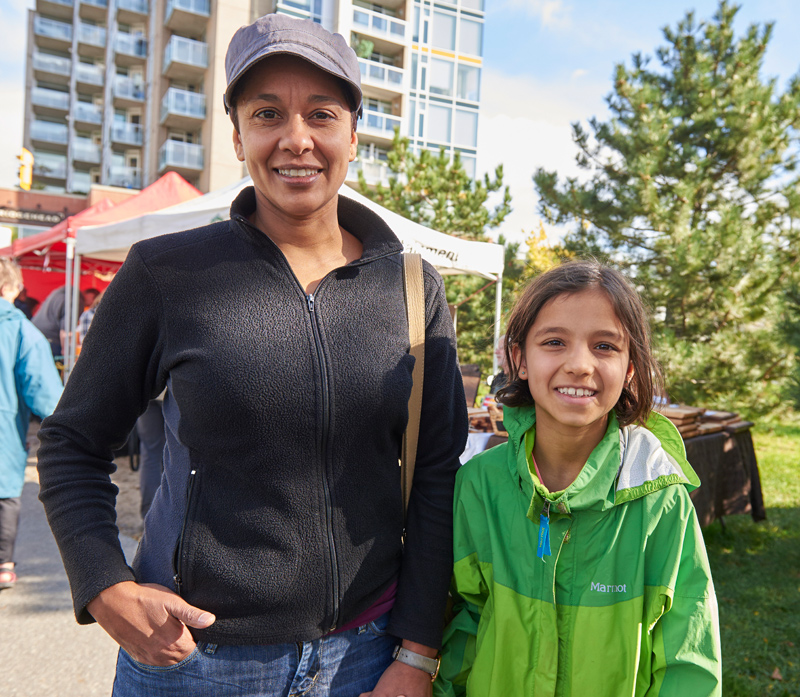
column 70, row 245
column 498, row 310
column 76, row 309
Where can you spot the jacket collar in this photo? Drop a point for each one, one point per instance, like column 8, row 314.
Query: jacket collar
column 375, row 235
column 628, row 463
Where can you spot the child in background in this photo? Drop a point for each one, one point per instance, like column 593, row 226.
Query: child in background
column 580, row 567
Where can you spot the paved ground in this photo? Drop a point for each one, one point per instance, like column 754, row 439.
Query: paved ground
column 43, row 651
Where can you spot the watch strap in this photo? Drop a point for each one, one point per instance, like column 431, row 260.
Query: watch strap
column 417, row 660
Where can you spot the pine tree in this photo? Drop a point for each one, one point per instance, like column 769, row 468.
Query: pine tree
column 436, row 191
column 693, row 189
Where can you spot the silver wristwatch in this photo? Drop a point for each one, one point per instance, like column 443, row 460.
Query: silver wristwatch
column 417, row 660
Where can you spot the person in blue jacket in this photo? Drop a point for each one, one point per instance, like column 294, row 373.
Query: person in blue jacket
column 29, row 382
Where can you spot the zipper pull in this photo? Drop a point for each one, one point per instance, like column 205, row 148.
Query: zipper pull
column 544, row 532
column 310, row 301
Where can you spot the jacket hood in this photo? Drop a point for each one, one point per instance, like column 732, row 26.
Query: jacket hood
column 628, row 463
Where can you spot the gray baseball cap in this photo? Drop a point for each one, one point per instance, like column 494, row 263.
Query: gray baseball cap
column 275, row 34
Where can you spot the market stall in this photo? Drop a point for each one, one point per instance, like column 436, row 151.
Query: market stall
column 48, row 259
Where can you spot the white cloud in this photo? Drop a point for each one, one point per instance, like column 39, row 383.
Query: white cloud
column 526, row 124
column 553, row 14
column 579, row 73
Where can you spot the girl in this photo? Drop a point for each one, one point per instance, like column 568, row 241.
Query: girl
column 580, row 567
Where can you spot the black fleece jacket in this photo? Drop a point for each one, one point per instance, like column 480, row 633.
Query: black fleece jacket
column 280, row 510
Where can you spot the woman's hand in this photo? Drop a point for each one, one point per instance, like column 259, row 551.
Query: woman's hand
column 149, row 621
column 400, row 680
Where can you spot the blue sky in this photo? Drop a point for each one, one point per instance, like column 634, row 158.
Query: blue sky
column 547, row 63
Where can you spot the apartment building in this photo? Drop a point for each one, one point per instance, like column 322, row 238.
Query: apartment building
column 121, row 91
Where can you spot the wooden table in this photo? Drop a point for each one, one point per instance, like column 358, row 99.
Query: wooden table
column 729, row 480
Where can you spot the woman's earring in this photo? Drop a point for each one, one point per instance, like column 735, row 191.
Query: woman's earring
column 522, row 373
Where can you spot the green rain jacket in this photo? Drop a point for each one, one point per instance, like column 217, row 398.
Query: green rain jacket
column 624, row 603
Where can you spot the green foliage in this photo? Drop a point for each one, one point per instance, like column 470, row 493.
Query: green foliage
column 362, row 47
column 693, row 189
column 756, row 570
column 789, row 327
column 435, row 191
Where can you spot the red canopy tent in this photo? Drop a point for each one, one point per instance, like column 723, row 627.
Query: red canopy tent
column 41, row 254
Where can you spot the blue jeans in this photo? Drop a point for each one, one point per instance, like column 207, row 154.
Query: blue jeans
column 339, row 665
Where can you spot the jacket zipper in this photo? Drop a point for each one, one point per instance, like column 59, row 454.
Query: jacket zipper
column 310, row 300
column 179, row 561
column 326, row 410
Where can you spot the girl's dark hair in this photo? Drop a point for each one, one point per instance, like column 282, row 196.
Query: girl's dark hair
column 636, row 400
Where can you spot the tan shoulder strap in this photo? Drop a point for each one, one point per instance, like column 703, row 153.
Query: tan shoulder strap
column 414, row 287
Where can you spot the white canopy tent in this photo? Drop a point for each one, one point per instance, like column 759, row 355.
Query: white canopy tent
column 449, row 255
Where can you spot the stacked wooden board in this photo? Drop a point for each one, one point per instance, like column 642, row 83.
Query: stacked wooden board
column 694, row 421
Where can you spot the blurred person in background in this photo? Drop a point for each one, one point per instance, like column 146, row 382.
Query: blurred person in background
column 29, row 383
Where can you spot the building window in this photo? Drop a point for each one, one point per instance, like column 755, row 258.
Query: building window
column 415, row 26
column 469, row 83
column 441, row 77
column 439, row 118
column 472, row 5
column 414, row 66
column 469, row 165
column 444, row 30
column 466, row 127
column 471, row 37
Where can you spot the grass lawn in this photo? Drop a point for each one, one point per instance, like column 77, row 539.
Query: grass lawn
column 756, row 568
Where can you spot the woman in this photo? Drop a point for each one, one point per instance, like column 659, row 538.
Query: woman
column 272, row 552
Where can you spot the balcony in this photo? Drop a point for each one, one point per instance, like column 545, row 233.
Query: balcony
column 187, row 16
column 380, row 125
column 81, row 182
column 386, row 80
column 55, row 8
column 379, row 26
column 91, row 40
column 49, row 102
column 294, row 8
column 126, row 133
column 87, row 113
column 185, row 59
column 182, row 109
column 46, row 67
column 84, row 151
column 127, row 91
column 375, row 171
column 95, row 10
column 181, row 157
column 47, row 134
column 132, row 11
column 47, row 166
column 52, row 34
column 126, row 177
column 131, row 49
column 89, row 78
